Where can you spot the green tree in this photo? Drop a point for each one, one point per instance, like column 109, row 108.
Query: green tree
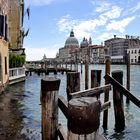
column 16, row 60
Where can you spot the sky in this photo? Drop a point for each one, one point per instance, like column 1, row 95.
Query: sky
column 51, row 21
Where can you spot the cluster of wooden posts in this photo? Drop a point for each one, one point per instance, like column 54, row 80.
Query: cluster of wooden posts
column 46, row 71
column 82, row 108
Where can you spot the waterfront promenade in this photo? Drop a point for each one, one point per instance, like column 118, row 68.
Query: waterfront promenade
column 27, row 99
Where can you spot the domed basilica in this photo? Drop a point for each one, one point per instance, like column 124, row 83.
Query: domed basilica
column 73, row 52
column 71, row 46
column 71, row 41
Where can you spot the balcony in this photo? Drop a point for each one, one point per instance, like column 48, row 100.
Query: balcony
column 16, row 75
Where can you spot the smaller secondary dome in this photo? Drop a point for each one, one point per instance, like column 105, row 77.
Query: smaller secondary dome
column 71, row 40
column 84, row 43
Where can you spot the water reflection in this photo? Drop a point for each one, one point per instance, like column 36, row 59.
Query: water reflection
column 128, row 114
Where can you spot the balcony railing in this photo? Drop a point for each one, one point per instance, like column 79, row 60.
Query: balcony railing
column 16, row 73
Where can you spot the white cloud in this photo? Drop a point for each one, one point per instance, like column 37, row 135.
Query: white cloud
column 103, row 6
column 82, row 28
column 79, row 34
column 38, row 53
column 105, row 36
column 131, row 10
column 93, row 2
column 135, row 8
column 86, row 25
column 108, row 16
column 115, row 12
column 66, row 23
column 119, row 25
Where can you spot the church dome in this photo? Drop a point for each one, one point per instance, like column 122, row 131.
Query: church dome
column 84, row 43
column 71, row 40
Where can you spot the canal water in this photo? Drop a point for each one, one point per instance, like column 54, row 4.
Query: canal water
column 30, row 109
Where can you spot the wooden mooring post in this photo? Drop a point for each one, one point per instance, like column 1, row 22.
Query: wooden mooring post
column 118, row 102
column 73, row 83
column 30, row 73
column 66, row 66
column 86, row 75
column 81, row 68
column 128, row 76
column 106, row 98
column 71, row 65
column 83, row 118
column 49, row 107
column 95, row 78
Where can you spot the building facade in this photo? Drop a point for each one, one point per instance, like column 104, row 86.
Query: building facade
column 117, row 47
column 16, row 31
column 11, row 34
column 4, row 51
column 66, row 54
column 97, row 54
column 134, row 55
column 86, row 52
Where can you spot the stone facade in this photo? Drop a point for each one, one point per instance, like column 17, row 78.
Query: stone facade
column 16, row 31
column 86, row 52
column 117, row 47
column 66, row 54
column 134, row 55
column 97, row 54
column 4, row 57
column 11, row 34
column 4, row 51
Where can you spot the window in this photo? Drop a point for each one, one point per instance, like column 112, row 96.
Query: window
column 5, row 28
column 5, row 65
column 1, row 25
column 0, row 68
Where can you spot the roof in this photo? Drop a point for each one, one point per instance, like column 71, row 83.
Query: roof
column 71, row 40
column 84, row 43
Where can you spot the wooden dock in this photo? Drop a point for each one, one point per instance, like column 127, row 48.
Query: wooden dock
column 48, row 70
column 82, row 108
column 82, row 112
